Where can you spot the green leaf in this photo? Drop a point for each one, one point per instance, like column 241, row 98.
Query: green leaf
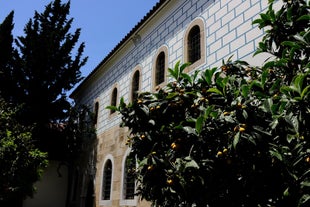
column 258, row 21
column 274, row 123
column 186, row 77
column 289, row 43
column 191, row 164
column 274, row 109
column 215, row 90
column 264, row 77
column 222, row 82
column 171, row 95
column 208, row 75
column 286, row 192
column 305, row 92
column 275, row 86
column 145, row 109
column 286, row 90
column 282, row 107
column 174, row 73
column 245, row 90
column 305, row 183
column 176, row 66
column 293, row 121
column 304, row 17
column 183, row 66
column 199, row 124
column 290, row 138
column 267, row 105
column 306, row 174
column 269, row 64
column 272, row 14
column 304, row 199
column 236, row 139
column 245, row 114
column 143, row 162
column 276, row 154
column 298, row 82
column 264, row 17
column 189, row 130
column 112, row 108
column 256, row 83
column 289, row 13
column 122, row 103
column 152, row 122
column 208, row 111
column 195, row 75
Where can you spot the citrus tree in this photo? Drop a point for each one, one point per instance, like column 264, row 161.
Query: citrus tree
column 234, row 135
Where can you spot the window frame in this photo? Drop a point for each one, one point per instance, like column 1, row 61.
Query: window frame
column 96, row 112
column 200, row 23
column 136, row 70
column 114, row 98
column 163, row 49
column 107, row 202
column 194, row 44
column 123, row 200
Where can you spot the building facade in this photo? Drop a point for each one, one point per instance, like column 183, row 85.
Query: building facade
column 203, row 32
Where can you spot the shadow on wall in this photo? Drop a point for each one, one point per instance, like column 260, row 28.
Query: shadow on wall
column 52, row 188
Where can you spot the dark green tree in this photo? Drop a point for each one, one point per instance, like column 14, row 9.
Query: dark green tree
column 44, row 70
column 21, row 162
column 7, row 54
column 235, row 135
column 36, row 72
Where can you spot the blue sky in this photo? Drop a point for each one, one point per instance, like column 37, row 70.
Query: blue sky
column 103, row 22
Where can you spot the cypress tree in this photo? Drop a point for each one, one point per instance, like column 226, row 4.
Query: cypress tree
column 7, row 54
column 46, row 70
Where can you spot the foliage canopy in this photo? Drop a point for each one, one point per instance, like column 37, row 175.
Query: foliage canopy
column 39, row 71
column 21, row 162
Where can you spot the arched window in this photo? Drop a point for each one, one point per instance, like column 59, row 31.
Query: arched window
column 114, row 99
column 128, row 179
column 96, row 111
column 135, row 85
column 107, row 181
column 194, row 44
column 128, row 186
column 160, row 68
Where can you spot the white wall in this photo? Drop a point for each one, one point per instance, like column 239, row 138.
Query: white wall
column 52, row 189
column 228, row 31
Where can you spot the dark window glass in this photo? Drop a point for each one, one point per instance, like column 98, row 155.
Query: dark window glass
column 129, row 180
column 135, row 85
column 107, row 181
column 160, row 69
column 114, row 99
column 194, row 49
column 96, row 112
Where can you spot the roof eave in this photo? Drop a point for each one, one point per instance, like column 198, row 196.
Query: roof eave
column 135, row 30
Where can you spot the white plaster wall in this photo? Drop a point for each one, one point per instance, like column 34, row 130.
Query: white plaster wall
column 228, row 31
column 52, row 189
